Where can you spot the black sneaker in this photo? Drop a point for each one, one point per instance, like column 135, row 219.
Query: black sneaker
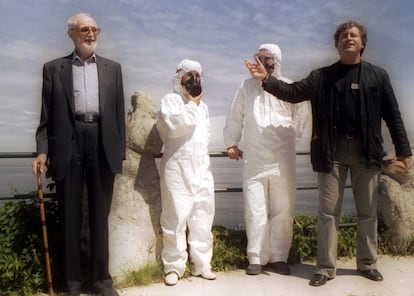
column 254, row 269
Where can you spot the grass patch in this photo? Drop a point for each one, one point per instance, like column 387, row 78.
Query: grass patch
column 387, row 246
column 229, row 249
column 149, row 274
column 22, row 270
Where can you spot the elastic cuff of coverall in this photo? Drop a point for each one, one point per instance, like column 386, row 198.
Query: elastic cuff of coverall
column 254, row 260
column 199, row 271
column 277, row 259
column 180, row 274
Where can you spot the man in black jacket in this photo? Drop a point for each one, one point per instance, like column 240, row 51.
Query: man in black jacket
column 349, row 99
column 81, row 135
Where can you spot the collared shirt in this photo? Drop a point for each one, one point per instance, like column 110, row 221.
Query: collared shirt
column 85, row 85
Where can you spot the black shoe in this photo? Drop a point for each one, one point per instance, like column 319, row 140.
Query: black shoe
column 74, row 288
column 254, row 269
column 318, row 280
column 74, row 292
column 107, row 292
column 372, row 274
column 280, row 267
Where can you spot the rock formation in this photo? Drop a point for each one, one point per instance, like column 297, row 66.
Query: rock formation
column 134, row 221
column 396, row 203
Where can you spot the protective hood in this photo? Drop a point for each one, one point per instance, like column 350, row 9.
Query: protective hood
column 183, row 67
column 277, row 57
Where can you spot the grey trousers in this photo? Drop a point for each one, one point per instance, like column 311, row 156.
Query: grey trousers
column 331, row 191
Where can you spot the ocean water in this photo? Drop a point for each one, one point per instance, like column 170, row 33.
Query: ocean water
column 16, row 177
column 229, row 205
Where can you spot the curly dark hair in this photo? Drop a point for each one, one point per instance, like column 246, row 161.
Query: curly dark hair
column 349, row 24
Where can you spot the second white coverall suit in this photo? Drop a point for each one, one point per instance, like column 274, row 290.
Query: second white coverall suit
column 187, row 185
column 269, row 128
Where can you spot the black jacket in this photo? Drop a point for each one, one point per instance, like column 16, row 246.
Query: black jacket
column 55, row 133
column 377, row 102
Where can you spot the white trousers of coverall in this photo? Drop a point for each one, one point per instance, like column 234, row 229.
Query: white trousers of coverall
column 269, row 201
column 187, row 205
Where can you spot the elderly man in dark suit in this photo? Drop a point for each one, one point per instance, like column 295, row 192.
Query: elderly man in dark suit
column 81, row 136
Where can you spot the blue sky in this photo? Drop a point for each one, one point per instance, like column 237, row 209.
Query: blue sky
column 149, row 39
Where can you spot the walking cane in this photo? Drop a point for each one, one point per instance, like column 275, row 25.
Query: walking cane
column 44, row 231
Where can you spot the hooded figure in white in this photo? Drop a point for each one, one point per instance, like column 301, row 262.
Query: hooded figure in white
column 187, row 185
column 270, row 128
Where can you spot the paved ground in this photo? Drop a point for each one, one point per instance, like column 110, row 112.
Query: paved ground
column 398, row 281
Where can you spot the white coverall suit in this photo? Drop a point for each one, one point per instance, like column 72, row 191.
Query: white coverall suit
column 269, row 128
column 187, row 185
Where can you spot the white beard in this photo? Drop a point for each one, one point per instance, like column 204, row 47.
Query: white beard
column 84, row 48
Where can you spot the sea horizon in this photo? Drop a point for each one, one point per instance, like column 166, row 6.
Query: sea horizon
column 16, row 178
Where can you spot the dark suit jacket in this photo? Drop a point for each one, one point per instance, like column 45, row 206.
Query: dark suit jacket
column 55, row 134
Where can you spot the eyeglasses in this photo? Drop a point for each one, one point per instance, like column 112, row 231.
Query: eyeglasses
column 86, row 30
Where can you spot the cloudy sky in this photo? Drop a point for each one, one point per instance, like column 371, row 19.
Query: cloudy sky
column 149, row 39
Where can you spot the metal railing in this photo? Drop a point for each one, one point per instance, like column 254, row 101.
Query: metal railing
column 212, row 154
column 18, row 154
column 11, row 155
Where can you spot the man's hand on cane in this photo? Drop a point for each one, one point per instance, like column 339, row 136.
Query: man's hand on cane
column 41, row 161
